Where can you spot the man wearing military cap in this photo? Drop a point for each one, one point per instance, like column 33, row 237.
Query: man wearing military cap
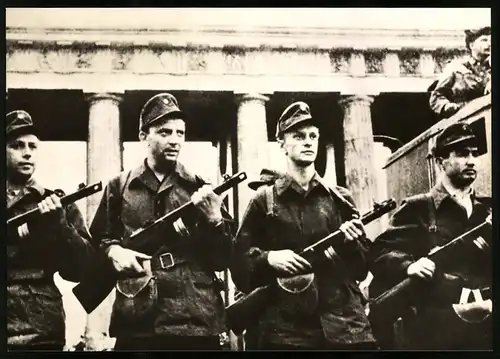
column 58, row 241
column 298, row 209
column 442, row 317
column 174, row 302
column 463, row 80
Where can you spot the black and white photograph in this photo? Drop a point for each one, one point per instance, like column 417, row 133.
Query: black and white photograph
column 248, row 179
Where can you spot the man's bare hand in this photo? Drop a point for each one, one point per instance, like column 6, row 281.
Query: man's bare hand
column 353, row 229
column 424, row 268
column 126, row 260
column 208, row 203
column 287, row 261
column 51, row 205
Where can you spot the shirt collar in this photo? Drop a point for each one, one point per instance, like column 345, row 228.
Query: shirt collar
column 286, row 181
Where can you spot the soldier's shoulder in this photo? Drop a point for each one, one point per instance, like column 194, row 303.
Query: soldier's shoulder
column 415, row 200
column 261, row 195
column 456, row 65
column 483, row 198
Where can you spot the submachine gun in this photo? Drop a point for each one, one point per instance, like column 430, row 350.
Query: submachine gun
column 33, row 214
column 101, row 278
column 392, row 304
column 246, row 311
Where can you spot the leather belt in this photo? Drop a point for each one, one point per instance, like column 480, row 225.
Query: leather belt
column 166, row 261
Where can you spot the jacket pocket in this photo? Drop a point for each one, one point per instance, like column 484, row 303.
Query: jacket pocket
column 136, row 300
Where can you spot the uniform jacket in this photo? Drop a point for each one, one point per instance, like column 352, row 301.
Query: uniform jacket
column 34, row 310
column 407, row 239
column 188, row 299
column 301, row 219
column 462, row 81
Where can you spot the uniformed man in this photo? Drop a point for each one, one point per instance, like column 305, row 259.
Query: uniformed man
column 440, row 316
column 58, row 241
column 463, row 80
column 299, row 209
column 171, row 299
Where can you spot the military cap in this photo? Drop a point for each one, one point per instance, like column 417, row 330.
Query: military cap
column 472, row 34
column 294, row 114
column 18, row 122
column 267, row 176
column 453, row 135
column 163, row 105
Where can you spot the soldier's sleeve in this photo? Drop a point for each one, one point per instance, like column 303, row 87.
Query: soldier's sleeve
column 250, row 268
column 76, row 251
column 217, row 241
column 442, row 95
column 354, row 253
column 401, row 244
column 106, row 228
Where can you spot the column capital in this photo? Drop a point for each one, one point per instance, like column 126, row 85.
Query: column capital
column 348, row 99
column 93, row 97
column 251, row 96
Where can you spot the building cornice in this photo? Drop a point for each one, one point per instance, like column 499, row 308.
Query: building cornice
column 255, row 37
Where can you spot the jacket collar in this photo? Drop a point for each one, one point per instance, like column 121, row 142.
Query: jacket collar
column 439, row 194
column 31, row 186
column 145, row 175
column 286, row 181
column 475, row 63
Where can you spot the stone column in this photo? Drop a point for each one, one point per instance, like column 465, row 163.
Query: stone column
column 104, row 160
column 104, row 149
column 358, row 153
column 251, row 141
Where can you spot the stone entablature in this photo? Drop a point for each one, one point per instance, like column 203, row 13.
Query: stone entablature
column 270, row 59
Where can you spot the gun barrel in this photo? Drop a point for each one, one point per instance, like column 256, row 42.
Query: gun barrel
column 65, row 200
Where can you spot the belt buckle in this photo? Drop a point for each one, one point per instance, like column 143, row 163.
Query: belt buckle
column 167, row 260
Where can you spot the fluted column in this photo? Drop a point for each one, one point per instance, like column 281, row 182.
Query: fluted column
column 358, row 151
column 251, row 141
column 104, row 160
column 104, row 150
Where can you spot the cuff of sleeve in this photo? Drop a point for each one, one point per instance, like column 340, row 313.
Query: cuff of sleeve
column 404, row 266
column 106, row 243
column 261, row 263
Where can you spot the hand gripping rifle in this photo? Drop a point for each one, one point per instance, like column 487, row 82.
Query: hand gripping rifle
column 83, row 191
column 102, row 277
column 391, row 301
column 246, row 311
